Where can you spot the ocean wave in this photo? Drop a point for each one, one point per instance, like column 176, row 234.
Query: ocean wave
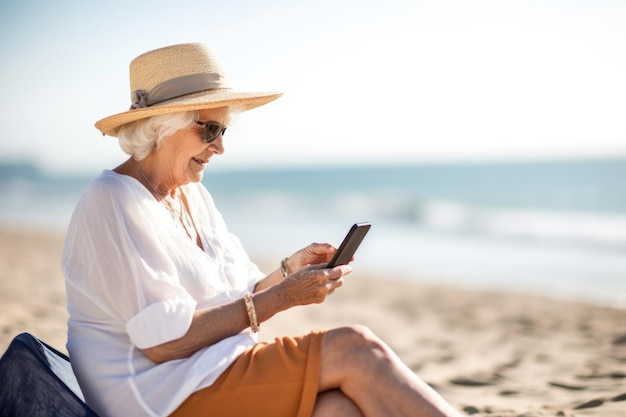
column 605, row 231
column 572, row 227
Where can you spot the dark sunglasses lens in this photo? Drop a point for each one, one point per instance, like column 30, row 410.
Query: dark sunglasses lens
column 211, row 131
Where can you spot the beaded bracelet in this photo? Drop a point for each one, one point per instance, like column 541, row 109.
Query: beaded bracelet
column 254, row 324
column 283, row 268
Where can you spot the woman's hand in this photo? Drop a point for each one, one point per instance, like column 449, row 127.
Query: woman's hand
column 314, row 256
column 315, row 253
column 312, row 284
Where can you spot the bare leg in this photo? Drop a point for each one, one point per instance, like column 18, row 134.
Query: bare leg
column 367, row 371
column 334, row 403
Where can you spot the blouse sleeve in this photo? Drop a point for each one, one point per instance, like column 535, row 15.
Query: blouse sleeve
column 113, row 256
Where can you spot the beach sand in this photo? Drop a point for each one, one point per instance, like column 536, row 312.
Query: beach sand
column 489, row 354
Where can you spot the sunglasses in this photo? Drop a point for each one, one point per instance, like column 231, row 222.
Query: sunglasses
column 211, row 130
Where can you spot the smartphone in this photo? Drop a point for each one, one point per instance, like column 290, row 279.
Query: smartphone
column 350, row 244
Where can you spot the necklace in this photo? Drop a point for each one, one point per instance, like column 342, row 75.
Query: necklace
column 176, row 214
column 143, row 174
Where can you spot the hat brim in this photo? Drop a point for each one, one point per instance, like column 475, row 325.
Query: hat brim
column 199, row 101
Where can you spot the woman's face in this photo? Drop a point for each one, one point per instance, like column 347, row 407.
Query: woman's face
column 184, row 155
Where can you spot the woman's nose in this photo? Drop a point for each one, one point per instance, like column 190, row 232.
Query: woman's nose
column 217, row 146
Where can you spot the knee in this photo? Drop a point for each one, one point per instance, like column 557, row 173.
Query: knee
column 353, row 353
column 358, row 334
column 358, row 341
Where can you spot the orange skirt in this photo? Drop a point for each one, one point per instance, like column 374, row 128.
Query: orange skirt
column 270, row 379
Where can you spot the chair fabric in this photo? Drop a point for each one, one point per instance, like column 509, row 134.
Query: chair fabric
column 37, row 380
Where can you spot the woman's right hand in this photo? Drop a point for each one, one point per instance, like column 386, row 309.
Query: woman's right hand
column 312, row 284
column 315, row 253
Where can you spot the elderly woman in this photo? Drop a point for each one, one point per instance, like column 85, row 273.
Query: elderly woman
column 164, row 303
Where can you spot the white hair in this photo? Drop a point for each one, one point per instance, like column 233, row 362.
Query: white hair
column 140, row 137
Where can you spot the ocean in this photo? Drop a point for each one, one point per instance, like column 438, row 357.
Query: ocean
column 556, row 228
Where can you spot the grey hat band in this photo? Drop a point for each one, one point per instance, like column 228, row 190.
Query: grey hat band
column 177, row 87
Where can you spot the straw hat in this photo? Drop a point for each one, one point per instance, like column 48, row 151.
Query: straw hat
column 179, row 78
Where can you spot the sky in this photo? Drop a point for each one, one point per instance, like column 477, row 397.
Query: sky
column 364, row 82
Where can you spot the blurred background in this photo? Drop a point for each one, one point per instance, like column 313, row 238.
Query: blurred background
column 484, row 140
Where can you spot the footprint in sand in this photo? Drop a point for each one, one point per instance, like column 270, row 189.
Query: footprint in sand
column 572, row 387
column 620, row 340
column 598, row 402
column 589, row 404
column 472, row 382
column 621, row 397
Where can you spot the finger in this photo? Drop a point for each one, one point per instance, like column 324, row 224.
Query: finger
column 329, row 290
column 340, row 271
column 324, row 265
column 323, row 251
column 333, row 285
column 315, row 267
column 336, row 283
column 321, row 247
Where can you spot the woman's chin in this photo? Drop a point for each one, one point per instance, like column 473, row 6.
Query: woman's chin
column 196, row 177
column 196, row 172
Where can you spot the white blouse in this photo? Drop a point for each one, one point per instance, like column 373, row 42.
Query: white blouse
column 134, row 280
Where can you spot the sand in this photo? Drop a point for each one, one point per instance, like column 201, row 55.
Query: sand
column 489, row 354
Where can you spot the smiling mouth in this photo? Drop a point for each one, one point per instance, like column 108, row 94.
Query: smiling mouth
column 200, row 161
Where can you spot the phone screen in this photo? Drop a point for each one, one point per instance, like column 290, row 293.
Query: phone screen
column 350, row 244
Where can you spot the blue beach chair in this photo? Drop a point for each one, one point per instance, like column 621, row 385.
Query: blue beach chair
column 36, row 380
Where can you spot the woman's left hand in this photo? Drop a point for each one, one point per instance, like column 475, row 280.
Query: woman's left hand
column 315, row 253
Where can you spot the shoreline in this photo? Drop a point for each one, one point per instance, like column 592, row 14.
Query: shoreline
column 488, row 353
